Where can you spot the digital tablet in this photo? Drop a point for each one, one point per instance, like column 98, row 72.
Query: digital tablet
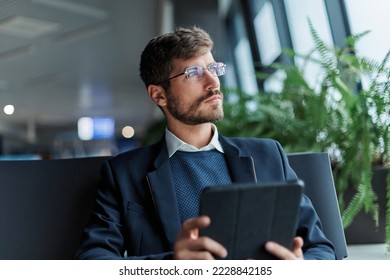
column 246, row 215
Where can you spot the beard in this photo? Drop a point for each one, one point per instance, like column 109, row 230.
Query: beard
column 192, row 115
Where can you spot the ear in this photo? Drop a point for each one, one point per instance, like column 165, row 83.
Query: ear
column 157, row 94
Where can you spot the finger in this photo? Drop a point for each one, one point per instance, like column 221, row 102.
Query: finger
column 190, row 227
column 194, row 233
column 197, row 248
column 297, row 247
column 279, row 251
column 207, row 244
column 193, row 255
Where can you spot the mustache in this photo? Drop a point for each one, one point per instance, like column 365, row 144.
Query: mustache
column 209, row 94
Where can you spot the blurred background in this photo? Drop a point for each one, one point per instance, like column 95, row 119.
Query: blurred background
column 69, row 81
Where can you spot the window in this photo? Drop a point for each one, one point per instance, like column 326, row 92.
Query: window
column 370, row 15
column 246, row 72
column 267, row 34
column 300, row 32
column 242, row 55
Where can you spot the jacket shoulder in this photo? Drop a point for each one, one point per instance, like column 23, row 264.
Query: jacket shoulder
column 140, row 156
column 249, row 143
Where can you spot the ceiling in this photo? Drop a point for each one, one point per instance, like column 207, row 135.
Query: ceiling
column 65, row 59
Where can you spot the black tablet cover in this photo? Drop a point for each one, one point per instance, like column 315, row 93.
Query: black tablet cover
column 245, row 216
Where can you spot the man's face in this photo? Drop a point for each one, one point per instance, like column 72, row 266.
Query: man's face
column 194, row 102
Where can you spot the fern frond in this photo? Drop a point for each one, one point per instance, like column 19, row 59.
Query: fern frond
column 356, row 204
column 327, row 57
column 353, row 209
column 351, row 40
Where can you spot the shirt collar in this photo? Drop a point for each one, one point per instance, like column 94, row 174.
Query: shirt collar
column 175, row 144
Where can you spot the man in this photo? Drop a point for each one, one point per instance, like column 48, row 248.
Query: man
column 148, row 200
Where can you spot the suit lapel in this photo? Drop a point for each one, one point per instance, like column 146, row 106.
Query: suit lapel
column 241, row 167
column 164, row 196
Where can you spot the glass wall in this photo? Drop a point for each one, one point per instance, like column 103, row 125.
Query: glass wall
column 266, row 27
column 299, row 12
column 267, row 34
column 242, row 54
column 370, row 16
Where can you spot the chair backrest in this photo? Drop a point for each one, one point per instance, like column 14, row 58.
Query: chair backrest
column 315, row 170
column 44, row 206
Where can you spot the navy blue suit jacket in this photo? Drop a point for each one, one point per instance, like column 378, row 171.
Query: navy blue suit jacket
column 137, row 216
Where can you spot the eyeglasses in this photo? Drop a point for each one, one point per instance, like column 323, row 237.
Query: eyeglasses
column 195, row 73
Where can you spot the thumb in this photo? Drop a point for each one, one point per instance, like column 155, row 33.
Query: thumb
column 297, row 247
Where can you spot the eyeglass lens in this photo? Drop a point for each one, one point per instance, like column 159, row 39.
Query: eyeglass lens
column 197, row 72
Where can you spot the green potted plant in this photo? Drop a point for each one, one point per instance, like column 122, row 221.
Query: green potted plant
column 346, row 113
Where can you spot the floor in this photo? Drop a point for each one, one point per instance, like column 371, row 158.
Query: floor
column 368, row 252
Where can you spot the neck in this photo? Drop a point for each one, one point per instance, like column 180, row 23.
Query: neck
column 196, row 135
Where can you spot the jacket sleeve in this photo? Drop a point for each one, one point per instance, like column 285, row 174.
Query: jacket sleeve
column 316, row 245
column 103, row 238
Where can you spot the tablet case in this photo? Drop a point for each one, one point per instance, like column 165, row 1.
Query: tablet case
column 244, row 216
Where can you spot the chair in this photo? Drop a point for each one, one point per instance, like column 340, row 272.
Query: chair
column 315, row 170
column 44, row 206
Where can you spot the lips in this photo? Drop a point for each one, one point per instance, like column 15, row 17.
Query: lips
column 213, row 98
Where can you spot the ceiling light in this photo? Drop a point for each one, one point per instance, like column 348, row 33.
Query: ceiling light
column 128, row 132
column 9, row 109
column 27, row 27
column 85, row 128
column 78, row 8
column 17, row 52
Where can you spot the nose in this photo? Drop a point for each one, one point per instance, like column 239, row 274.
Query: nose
column 210, row 81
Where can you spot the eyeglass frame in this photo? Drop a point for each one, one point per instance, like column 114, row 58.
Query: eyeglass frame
column 215, row 64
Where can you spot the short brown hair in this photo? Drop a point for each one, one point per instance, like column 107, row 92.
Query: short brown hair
column 157, row 57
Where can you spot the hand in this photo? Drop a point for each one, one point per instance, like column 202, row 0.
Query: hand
column 285, row 254
column 189, row 246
